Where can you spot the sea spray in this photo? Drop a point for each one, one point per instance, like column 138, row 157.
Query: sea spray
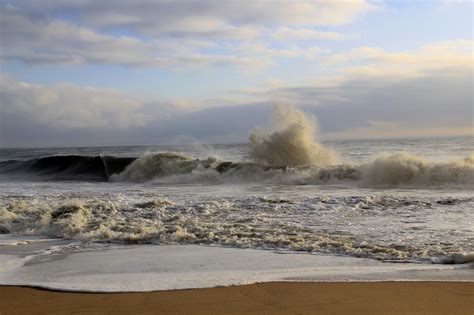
column 292, row 142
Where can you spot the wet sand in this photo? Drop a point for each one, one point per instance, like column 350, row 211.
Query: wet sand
column 265, row 298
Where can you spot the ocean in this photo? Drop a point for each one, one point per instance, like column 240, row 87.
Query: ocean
column 390, row 201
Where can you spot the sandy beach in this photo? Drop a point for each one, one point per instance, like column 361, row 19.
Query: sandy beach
column 264, row 298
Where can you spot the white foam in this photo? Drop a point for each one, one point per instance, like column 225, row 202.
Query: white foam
column 150, row 267
column 382, row 227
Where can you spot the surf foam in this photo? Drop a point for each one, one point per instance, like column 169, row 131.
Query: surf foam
column 339, row 225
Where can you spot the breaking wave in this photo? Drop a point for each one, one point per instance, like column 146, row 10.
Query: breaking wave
column 399, row 170
column 288, row 154
column 385, row 171
column 403, row 169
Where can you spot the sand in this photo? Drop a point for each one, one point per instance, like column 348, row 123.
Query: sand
column 264, row 298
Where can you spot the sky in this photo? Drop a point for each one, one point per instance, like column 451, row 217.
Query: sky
column 98, row 72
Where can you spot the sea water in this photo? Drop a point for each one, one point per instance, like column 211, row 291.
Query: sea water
column 396, row 200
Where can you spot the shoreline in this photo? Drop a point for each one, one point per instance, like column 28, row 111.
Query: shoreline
column 144, row 268
column 419, row 297
column 277, row 282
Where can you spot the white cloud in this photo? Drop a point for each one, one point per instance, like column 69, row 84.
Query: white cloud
column 286, row 33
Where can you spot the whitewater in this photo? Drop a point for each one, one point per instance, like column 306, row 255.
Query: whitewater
column 339, row 210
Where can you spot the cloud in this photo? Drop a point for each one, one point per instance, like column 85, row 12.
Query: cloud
column 372, row 132
column 64, row 107
column 66, row 114
column 376, row 93
column 427, row 91
column 439, row 59
column 56, row 42
column 285, row 33
column 60, row 42
column 433, row 103
column 207, row 17
column 163, row 33
column 433, row 56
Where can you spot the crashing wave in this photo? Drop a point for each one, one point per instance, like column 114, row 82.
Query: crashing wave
column 290, row 154
column 385, row 171
column 403, row 169
column 292, row 142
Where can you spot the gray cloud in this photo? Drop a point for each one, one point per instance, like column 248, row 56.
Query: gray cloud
column 209, row 17
column 43, row 41
column 159, row 33
column 64, row 113
column 40, row 41
column 70, row 106
column 438, row 101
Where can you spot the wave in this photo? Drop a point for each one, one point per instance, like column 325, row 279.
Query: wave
column 404, row 169
column 399, row 170
column 291, row 154
column 288, row 154
column 66, row 167
column 385, row 171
